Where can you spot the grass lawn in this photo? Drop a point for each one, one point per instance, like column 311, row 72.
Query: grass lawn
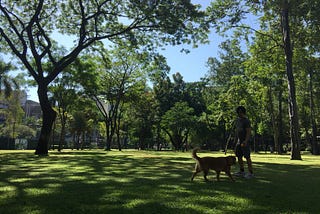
column 96, row 181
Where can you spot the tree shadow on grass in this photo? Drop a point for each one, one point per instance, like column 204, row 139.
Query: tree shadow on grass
column 285, row 188
column 95, row 182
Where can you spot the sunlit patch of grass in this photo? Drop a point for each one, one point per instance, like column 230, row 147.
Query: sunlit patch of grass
column 7, row 191
column 134, row 203
column 131, row 181
column 38, row 191
column 20, row 180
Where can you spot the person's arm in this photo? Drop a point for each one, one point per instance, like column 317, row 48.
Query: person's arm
column 235, row 139
column 248, row 134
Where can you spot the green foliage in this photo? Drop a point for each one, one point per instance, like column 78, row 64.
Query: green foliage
column 146, row 24
column 79, row 122
column 122, row 62
column 14, row 115
column 179, row 117
column 266, row 65
column 7, row 83
column 13, row 111
column 26, row 31
column 229, row 86
column 140, row 120
column 15, row 130
column 177, row 122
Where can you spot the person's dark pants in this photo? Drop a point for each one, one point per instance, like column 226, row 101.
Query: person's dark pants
column 243, row 151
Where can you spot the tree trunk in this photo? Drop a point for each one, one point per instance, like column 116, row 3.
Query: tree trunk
column 273, row 119
column 63, row 119
column 185, row 145
column 110, row 121
column 52, row 136
column 314, row 143
column 118, row 132
column 62, row 135
column 293, row 109
column 173, row 139
column 108, row 137
column 255, row 142
column 280, row 123
column 158, row 138
column 48, row 118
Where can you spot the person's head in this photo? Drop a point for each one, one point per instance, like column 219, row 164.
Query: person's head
column 241, row 110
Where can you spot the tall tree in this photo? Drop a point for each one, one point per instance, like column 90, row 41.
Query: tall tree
column 284, row 12
column 293, row 108
column 266, row 69
column 140, row 118
column 121, row 70
column 177, row 123
column 64, row 94
column 26, row 30
column 226, row 85
column 162, row 94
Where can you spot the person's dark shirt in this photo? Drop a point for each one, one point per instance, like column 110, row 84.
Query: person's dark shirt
column 241, row 128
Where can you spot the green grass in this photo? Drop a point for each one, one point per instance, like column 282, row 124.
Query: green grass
column 130, row 181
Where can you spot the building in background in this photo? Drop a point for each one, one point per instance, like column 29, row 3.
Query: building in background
column 32, row 109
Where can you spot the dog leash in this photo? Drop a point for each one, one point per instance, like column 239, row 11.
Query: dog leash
column 229, row 138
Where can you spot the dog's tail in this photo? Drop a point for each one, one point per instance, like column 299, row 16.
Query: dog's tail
column 194, row 155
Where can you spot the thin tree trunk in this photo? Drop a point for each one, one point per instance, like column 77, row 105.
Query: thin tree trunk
column 314, row 143
column 51, row 142
column 185, row 142
column 172, row 140
column 273, row 119
column 62, row 135
column 255, row 143
column 118, row 132
column 83, row 141
column 293, row 109
column 110, row 121
column 158, row 138
column 109, row 137
column 63, row 119
column 280, row 123
column 48, row 118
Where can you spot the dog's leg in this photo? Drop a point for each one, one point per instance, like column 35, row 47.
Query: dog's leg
column 197, row 170
column 205, row 173
column 218, row 175
column 193, row 175
column 229, row 174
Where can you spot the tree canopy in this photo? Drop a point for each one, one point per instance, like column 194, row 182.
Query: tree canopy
column 27, row 27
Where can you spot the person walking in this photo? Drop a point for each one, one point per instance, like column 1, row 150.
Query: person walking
column 242, row 137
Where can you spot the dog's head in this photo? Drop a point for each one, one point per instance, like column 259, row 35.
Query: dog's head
column 231, row 160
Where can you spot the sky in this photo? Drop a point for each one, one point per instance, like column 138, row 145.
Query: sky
column 191, row 66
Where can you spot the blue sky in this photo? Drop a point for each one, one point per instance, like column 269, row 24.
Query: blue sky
column 191, row 66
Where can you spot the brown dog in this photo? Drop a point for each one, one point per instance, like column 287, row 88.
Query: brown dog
column 217, row 164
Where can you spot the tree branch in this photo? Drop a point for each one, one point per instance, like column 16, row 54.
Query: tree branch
column 258, row 32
